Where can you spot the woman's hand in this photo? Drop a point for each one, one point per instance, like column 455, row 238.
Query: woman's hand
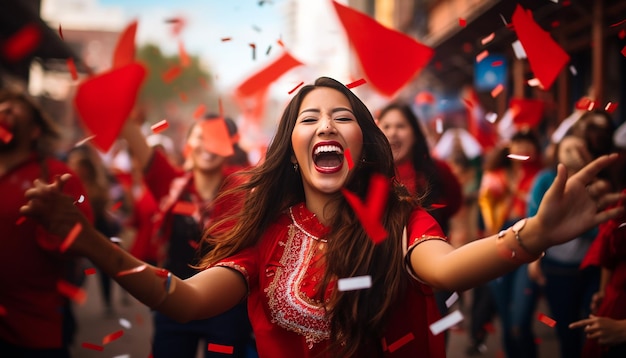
column 574, row 205
column 57, row 213
column 607, row 331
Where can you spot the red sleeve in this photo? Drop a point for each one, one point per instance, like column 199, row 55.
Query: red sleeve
column 422, row 225
column 246, row 263
column 159, row 175
column 452, row 192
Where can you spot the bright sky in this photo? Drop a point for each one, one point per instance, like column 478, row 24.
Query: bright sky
column 208, row 21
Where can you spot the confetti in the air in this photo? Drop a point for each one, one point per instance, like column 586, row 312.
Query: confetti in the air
column 534, row 82
column 348, row 157
column 400, row 342
column 491, row 117
column 573, row 70
column 131, row 271
column 20, row 220
column 354, row 283
column 610, row 107
column 520, row 53
column 184, row 208
column 22, row 43
column 446, row 322
column 462, row 22
column 71, row 236
column 546, row 320
column 111, row 337
column 481, row 56
column 356, row 83
column 159, row 126
column 5, row 135
column 452, row 299
column 518, row 157
column 72, row 68
column 253, row 46
column 497, row 90
column 61, row 32
column 72, row 292
column 83, row 141
column 488, row 38
column 125, row 323
column 225, row 39
column 295, row 88
column 439, row 125
column 92, row 346
column 219, row 348
column 90, row 271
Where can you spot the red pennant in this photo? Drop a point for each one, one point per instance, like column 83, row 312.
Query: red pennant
column 125, row 49
column 262, row 79
column 105, row 101
column 370, row 212
column 22, row 43
column 390, row 59
column 527, row 113
column 545, row 56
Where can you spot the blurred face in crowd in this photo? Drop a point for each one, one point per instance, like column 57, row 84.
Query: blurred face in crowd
column 399, row 133
column 325, row 127
column 200, row 158
column 599, row 134
column 17, row 126
column 573, row 153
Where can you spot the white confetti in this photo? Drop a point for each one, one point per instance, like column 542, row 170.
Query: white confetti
column 622, row 225
column 83, row 141
column 439, row 125
column 534, row 82
column 491, row 117
column 354, row 283
column 520, row 53
column 446, row 322
column 81, row 199
column 453, row 298
column 573, row 70
column 518, row 157
column 116, row 240
column 125, row 323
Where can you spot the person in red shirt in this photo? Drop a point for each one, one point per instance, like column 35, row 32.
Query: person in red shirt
column 176, row 232
column 431, row 180
column 35, row 318
column 297, row 236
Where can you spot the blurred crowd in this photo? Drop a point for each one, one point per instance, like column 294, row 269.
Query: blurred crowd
column 156, row 202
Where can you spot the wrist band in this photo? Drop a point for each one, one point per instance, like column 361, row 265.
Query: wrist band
column 508, row 252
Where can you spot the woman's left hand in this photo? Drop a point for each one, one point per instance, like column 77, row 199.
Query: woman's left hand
column 576, row 204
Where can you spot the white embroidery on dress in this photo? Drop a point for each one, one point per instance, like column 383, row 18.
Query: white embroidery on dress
column 290, row 308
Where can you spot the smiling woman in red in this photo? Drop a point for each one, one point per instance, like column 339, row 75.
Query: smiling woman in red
column 297, row 235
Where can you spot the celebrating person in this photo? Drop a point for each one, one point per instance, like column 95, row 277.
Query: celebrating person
column 297, row 236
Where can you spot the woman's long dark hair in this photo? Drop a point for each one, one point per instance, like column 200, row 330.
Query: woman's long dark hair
column 357, row 318
column 421, row 160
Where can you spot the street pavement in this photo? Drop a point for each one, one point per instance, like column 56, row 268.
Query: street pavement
column 134, row 320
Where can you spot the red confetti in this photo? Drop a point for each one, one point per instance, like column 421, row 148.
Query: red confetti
column 83, row 141
column 182, row 54
column 3, row 311
column 184, row 208
column 481, row 56
column 621, row 34
column 586, row 104
column 71, row 237
column 437, row 206
column 404, row 56
column 111, row 337
column 20, row 220
column 72, row 67
column 131, row 271
column 488, row 38
column 90, row 271
column 346, row 153
column 105, row 101
column 618, row 23
column 72, row 292
column 61, row 32
column 497, row 90
column 124, row 53
column 224, row 39
column 193, row 244
column 215, row 138
column 546, row 320
column 462, row 22
column 22, row 43
column 469, row 104
column 295, row 88
column 280, row 43
column 159, row 126
column 92, row 346
column 356, row 83
column 400, row 342
column 497, row 63
column 623, row 52
column 199, row 112
column 370, row 212
column 171, row 74
column 218, row 348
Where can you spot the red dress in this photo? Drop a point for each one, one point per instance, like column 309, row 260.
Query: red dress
column 611, row 241
column 282, row 272
column 29, row 273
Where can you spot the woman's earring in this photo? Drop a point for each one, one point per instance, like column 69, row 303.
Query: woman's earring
column 295, row 167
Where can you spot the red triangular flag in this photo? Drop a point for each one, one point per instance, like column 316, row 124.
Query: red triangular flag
column 545, row 56
column 125, row 49
column 390, row 59
column 262, row 79
column 527, row 113
column 105, row 101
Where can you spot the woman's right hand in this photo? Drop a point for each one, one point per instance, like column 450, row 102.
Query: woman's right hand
column 57, row 213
